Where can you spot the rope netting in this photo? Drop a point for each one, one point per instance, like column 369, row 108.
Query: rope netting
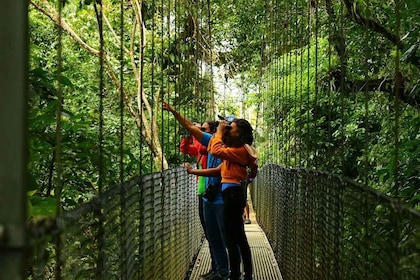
column 322, row 226
column 157, row 236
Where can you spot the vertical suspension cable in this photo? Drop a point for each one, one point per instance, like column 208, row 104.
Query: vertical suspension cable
column 308, row 105
column 121, row 104
column 153, row 59
column 298, row 87
column 195, row 45
column 366, row 89
column 343, row 89
column 398, row 85
column 58, row 137
column 316, row 148
column 179, row 74
column 198, row 82
column 289, row 92
column 311, row 200
column 278, row 130
column 262, row 84
column 268, row 94
column 141, row 245
column 212, row 109
column 165, row 94
column 287, row 59
column 365, row 171
column 331, row 93
column 172, row 70
column 293, row 86
column 122, row 237
column 285, row 84
column 101, row 92
column 274, row 58
column 273, row 93
column 300, row 42
column 397, row 234
column 99, row 15
column 281, row 23
column 58, row 112
column 162, row 78
column 329, row 90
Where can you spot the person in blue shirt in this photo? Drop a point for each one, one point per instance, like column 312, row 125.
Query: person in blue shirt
column 212, row 206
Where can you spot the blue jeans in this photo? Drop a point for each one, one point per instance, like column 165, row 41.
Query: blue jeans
column 214, row 222
column 203, row 224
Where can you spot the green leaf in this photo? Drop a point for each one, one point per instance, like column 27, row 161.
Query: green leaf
column 43, row 206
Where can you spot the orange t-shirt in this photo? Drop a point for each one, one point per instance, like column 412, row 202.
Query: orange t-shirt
column 234, row 159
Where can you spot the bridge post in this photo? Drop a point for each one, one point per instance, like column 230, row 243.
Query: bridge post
column 13, row 132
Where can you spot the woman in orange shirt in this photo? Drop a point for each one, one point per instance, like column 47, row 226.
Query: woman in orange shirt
column 232, row 143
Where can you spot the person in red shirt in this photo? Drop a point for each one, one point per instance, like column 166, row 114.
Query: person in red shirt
column 191, row 146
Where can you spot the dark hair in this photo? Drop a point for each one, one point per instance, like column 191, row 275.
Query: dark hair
column 245, row 129
column 213, row 126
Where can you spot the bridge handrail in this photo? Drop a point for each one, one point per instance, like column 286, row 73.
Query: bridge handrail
column 146, row 228
column 324, row 226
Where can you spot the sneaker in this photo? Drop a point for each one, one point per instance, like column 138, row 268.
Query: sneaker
column 207, row 275
column 247, row 221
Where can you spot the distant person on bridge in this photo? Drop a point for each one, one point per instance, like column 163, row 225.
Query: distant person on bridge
column 212, row 206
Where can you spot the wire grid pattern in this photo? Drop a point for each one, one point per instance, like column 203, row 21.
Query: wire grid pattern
column 150, row 230
column 322, row 226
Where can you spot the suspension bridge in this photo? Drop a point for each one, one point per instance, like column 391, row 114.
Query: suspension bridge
column 336, row 195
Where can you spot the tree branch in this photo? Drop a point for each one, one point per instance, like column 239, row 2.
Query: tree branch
column 139, row 116
column 55, row 17
column 356, row 16
column 115, row 34
column 387, row 84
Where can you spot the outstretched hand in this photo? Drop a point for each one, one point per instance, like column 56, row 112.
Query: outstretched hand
column 167, row 107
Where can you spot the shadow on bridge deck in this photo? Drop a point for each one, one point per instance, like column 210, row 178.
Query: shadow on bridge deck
column 265, row 265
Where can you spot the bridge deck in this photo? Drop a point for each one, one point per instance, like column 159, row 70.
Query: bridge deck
column 265, row 265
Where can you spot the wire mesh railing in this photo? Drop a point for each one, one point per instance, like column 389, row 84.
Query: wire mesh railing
column 146, row 228
column 323, row 226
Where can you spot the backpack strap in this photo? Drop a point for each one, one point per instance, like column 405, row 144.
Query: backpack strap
column 199, row 160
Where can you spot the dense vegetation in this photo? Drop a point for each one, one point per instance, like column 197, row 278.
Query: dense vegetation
column 331, row 85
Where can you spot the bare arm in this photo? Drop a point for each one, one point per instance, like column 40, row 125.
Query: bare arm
column 186, row 123
column 208, row 172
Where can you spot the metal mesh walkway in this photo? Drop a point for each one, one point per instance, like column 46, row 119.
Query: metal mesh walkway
column 265, row 265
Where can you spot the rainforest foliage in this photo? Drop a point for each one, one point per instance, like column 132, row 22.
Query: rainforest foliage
column 329, row 85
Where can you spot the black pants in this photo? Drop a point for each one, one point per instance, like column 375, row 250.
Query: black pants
column 234, row 204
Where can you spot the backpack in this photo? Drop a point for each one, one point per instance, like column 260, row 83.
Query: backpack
column 251, row 170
